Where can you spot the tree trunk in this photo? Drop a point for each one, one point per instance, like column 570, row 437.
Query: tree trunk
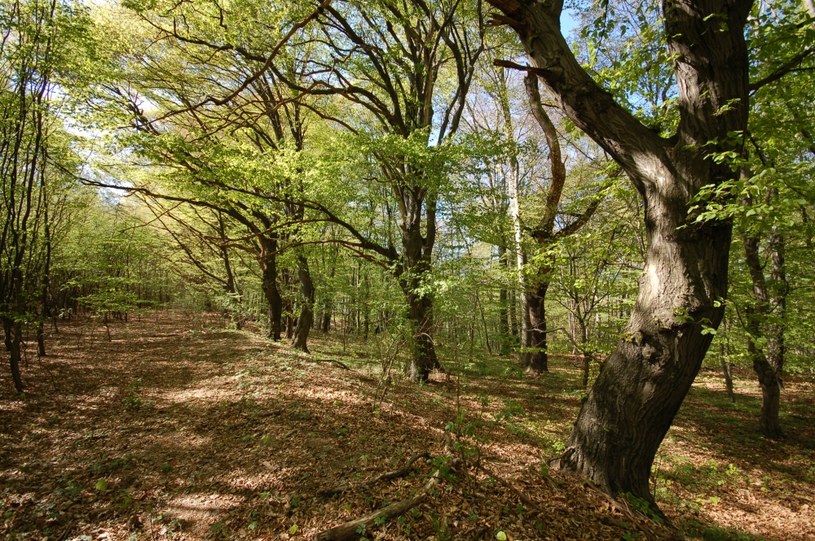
column 767, row 366
column 420, row 314
column 588, row 356
column 13, row 339
column 306, row 318
column 644, row 381
column 642, row 384
column 41, row 338
column 537, row 358
column 504, row 332
column 268, row 267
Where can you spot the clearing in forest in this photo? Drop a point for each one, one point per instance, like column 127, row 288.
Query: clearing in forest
column 177, row 428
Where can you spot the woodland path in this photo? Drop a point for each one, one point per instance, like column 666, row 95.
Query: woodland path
column 179, row 429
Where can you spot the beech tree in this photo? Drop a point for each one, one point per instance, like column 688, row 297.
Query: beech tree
column 644, row 381
column 405, row 68
column 229, row 139
column 41, row 44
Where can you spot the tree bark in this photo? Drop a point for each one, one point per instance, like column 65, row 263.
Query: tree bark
column 424, row 359
column 306, row 318
column 13, row 339
column 767, row 366
column 644, row 381
column 504, row 331
column 268, row 267
column 537, row 358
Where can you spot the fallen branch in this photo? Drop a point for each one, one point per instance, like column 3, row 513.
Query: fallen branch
column 387, row 476
column 335, row 362
column 351, row 529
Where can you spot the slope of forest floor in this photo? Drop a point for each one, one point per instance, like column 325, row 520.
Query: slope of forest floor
column 176, row 428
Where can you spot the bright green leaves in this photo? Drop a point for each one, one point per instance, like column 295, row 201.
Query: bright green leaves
column 624, row 48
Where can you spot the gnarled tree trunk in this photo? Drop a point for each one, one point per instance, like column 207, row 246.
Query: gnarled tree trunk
column 643, row 383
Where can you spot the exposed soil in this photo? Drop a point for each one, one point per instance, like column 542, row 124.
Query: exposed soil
column 179, row 429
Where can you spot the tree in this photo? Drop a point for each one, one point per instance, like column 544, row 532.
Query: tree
column 644, row 381
column 392, row 62
column 230, row 138
column 42, row 41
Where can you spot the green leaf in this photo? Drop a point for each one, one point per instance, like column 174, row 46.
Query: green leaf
column 501, row 536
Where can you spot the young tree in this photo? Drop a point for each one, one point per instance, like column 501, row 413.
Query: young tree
column 40, row 41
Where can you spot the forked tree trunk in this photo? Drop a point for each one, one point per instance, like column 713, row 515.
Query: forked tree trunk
column 306, row 318
column 643, row 383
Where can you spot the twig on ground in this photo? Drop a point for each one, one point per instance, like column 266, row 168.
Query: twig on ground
column 335, row 362
column 351, row 529
column 403, row 472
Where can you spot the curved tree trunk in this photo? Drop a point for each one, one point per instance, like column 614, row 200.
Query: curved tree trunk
column 306, row 318
column 643, row 383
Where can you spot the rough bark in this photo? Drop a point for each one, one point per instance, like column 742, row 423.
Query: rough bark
column 306, row 318
column 537, row 358
column 420, row 314
column 413, row 274
column 644, row 381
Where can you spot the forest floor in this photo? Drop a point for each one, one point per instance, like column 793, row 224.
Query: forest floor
column 176, row 428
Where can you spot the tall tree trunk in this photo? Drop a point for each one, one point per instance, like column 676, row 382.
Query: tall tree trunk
column 767, row 366
column 274, row 301
column 537, row 357
column 306, row 318
column 642, row 384
column 504, row 332
column 288, row 304
column 413, row 273
column 420, row 314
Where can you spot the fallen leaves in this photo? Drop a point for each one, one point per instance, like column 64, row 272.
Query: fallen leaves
column 165, row 433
